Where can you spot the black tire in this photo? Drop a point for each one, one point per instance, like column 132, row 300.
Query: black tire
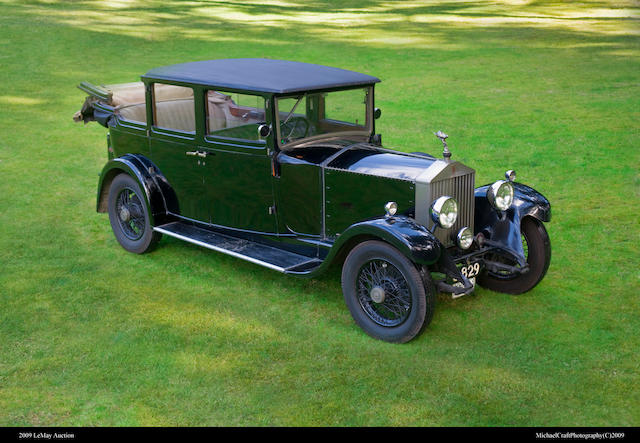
column 129, row 215
column 538, row 252
column 406, row 297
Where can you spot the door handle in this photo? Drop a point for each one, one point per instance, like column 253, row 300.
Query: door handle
column 202, row 154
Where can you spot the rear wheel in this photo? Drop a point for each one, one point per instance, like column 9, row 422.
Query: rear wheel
column 537, row 248
column 129, row 215
column 386, row 295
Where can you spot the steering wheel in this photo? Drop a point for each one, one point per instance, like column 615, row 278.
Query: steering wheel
column 298, row 125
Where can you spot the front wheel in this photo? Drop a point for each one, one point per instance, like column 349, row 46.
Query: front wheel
column 537, row 248
column 129, row 215
column 385, row 293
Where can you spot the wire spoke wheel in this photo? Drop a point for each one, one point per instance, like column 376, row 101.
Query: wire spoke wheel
column 383, row 293
column 130, row 214
column 387, row 295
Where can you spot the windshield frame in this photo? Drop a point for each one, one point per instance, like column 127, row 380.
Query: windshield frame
column 366, row 132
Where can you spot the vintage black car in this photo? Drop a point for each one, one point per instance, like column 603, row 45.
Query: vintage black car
column 278, row 163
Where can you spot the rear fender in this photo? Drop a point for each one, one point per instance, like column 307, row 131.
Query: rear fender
column 159, row 196
column 502, row 228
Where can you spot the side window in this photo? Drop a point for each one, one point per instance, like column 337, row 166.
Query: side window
column 174, row 107
column 129, row 102
column 347, row 107
column 234, row 115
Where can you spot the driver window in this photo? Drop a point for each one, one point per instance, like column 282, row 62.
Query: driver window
column 234, row 115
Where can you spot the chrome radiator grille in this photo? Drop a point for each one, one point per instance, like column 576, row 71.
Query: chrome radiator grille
column 460, row 187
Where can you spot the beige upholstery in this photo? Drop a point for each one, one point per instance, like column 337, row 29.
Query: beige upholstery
column 127, row 94
column 216, row 104
column 172, row 114
column 133, row 93
column 225, row 113
column 129, row 101
column 175, row 107
column 170, row 92
column 240, row 117
column 174, row 104
column 176, row 114
column 136, row 113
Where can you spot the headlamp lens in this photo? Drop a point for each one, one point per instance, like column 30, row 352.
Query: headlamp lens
column 500, row 195
column 465, row 238
column 444, row 211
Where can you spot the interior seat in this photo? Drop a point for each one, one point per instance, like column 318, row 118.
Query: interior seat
column 176, row 114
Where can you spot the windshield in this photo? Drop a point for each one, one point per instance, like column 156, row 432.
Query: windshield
column 316, row 115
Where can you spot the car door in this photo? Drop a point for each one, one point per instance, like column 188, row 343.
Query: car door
column 237, row 175
column 174, row 150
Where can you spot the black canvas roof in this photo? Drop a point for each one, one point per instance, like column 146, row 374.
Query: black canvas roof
column 261, row 74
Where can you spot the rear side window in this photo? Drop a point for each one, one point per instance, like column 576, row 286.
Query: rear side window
column 235, row 115
column 174, row 108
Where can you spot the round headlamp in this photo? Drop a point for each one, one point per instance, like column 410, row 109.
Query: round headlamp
column 444, row 211
column 465, row 238
column 500, row 195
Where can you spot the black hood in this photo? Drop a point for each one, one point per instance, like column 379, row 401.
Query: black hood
column 372, row 160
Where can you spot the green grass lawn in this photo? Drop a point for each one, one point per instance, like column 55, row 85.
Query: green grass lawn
column 92, row 335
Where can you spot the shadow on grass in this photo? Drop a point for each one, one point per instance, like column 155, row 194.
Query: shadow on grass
column 419, row 24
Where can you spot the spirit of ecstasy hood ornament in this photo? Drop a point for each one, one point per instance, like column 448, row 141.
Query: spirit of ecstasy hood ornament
column 443, row 137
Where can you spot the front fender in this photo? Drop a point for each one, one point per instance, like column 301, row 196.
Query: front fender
column 159, row 197
column 413, row 240
column 502, row 228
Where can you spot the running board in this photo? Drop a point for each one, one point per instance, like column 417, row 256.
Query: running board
column 267, row 256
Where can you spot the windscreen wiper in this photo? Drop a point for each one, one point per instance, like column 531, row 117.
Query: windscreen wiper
column 293, row 110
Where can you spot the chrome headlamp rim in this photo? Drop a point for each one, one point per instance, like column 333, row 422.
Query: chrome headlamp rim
column 500, row 195
column 464, row 239
column 448, row 217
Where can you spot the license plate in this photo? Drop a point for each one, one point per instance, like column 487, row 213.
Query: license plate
column 471, row 270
